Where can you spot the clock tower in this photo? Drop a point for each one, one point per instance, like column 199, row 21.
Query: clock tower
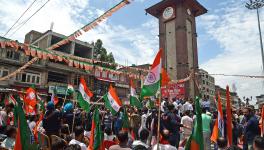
column 178, row 38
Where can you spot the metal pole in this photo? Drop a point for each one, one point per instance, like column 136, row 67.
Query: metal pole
column 260, row 38
column 159, row 115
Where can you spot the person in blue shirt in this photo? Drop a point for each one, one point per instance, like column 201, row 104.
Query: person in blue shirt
column 251, row 128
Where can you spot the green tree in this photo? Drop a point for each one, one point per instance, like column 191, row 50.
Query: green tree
column 100, row 53
column 111, row 58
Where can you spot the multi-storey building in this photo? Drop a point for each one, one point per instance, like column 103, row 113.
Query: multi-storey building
column 207, row 85
column 235, row 100
column 46, row 74
column 260, row 100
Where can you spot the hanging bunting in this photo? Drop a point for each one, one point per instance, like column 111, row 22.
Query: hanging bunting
column 33, row 52
column 39, row 53
column 91, row 25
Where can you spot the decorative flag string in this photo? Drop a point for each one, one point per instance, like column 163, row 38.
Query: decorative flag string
column 73, row 61
column 19, row 70
column 91, row 25
column 235, row 75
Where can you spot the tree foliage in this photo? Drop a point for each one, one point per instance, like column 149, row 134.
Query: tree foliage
column 100, row 53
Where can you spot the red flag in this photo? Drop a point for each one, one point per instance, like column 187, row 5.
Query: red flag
column 30, row 100
column 228, row 116
column 35, row 130
column 262, row 121
column 18, row 144
column 165, row 79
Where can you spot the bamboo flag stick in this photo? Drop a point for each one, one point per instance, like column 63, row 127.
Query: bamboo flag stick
column 74, row 105
column 73, row 120
column 65, row 98
column 96, row 101
column 159, row 115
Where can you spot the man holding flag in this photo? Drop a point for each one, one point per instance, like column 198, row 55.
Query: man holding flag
column 218, row 130
column 84, row 95
column 134, row 101
column 196, row 142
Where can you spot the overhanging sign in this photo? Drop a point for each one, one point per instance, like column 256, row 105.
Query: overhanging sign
column 60, row 89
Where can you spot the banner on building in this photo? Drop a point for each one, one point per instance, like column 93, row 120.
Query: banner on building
column 173, row 90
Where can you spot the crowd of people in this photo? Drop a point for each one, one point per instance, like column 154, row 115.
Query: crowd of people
column 72, row 127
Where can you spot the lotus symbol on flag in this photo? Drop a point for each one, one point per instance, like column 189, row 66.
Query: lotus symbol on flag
column 151, row 77
column 31, row 95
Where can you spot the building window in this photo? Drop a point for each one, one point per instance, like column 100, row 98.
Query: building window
column 207, row 83
column 12, row 55
column 76, row 80
column 4, row 72
column 97, row 73
column 104, row 74
column 206, row 76
column 57, row 77
column 122, row 78
column 26, row 77
column 113, row 77
column 38, row 79
column 203, row 82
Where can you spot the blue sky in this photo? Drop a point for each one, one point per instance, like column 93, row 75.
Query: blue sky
column 227, row 35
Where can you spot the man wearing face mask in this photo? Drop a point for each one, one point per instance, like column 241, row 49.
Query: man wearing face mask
column 251, row 128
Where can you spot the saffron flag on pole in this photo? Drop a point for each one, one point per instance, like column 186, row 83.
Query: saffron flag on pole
column 152, row 80
column 262, row 121
column 97, row 135
column 218, row 130
column 134, row 101
column 195, row 141
column 165, row 79
column 112, row 101
column 30, row 100
column 229, row 117
column 84, row 95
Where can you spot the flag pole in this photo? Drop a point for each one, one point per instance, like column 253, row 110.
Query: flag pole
column 73, row 120
column 65, row 97
column 97, row 101
column 159, row 114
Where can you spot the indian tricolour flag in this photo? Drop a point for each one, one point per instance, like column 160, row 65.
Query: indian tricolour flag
column 112, row 101
column 218, row 130
column 152, row 81
column 84, row 95
column 70, row 89
column 134, row 101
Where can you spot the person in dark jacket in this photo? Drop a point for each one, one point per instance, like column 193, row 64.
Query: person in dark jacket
column 171, row 122
column 251, row 128
column 68, row 115
column 52, row 120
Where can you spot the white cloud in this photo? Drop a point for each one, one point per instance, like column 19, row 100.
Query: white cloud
column 136, row 45
column 235, row 29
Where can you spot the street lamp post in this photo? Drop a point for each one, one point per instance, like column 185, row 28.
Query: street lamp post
column 257, row 4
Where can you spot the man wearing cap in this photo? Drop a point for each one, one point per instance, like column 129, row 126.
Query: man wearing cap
column 52, row 120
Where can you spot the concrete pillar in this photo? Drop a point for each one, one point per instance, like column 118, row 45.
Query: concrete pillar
column 72, row 48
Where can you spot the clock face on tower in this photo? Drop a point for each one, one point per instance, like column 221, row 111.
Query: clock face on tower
column 168, row 13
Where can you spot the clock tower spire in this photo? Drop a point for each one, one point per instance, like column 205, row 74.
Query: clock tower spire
column 178, row 38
